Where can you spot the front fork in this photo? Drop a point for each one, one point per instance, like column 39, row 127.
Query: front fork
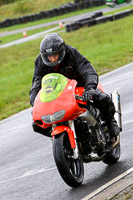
column 70, row 129
column 75, row 150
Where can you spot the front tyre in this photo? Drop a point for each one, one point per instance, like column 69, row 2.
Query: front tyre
column 70, row 169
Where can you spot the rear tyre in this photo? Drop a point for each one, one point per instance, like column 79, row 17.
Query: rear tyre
column 112, row 157
column 70, row 169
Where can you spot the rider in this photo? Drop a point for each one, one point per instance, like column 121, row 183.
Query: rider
column 56, row 56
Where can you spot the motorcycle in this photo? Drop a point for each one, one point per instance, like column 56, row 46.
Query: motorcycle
column 79, row 134
column 112, row 3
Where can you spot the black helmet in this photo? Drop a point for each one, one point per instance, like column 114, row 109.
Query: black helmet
column 50, row 45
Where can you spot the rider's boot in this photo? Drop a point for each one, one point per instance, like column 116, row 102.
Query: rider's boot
column 112, row 125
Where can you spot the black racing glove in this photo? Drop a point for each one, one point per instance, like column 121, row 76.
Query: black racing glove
column 32, row 103
column 88, row 95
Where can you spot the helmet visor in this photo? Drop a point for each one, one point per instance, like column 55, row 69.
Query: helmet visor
column 58, row 55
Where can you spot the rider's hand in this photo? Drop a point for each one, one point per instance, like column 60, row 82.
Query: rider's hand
column 88, row 95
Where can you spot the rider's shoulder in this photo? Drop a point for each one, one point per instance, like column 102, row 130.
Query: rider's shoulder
column 39, row 62
column 70, row 49
column 38, row 58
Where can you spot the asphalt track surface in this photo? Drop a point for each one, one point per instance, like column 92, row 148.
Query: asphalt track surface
column 27, row 165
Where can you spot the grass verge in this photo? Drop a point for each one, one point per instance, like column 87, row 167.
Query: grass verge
column 26, row 7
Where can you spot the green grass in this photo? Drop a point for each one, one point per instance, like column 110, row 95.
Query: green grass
column 26, row 7
column 108, row 46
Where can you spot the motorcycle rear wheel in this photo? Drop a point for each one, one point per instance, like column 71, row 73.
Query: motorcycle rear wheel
column 70, row 169
column 112, row 157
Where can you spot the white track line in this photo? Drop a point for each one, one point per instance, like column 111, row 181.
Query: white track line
column 108, row 184
column 30, row 173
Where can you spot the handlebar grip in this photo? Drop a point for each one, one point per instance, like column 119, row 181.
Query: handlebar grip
column 78, row 97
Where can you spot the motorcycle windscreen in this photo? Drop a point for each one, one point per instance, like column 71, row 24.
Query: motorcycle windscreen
column 52, row 86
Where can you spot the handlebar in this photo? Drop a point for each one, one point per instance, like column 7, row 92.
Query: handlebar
column 78, row 97
column 81, row 98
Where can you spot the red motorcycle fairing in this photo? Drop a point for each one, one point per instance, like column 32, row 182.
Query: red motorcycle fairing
column 60, row 129
column 66, row 101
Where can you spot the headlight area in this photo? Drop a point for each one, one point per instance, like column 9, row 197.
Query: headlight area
column 57, row 116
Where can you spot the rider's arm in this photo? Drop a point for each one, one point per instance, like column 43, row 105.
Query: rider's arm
column 85, row 70
column 36, row 81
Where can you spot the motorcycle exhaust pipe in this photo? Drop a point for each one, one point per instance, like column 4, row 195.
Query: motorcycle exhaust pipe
column 115, row 96
column 116, row 142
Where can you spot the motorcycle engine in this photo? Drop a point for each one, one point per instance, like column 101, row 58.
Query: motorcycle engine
column 92, row 139
column 85, row 136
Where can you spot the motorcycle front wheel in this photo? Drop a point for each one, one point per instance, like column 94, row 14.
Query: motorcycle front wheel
column 70, row 169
